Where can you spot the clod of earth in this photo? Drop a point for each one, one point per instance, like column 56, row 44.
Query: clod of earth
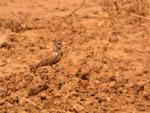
column 38, row 89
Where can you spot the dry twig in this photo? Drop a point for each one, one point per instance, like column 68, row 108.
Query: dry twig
column 69, row 15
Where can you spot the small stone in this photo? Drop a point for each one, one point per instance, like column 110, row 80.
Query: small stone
column 100, row 23
column 92, row 92
column 32, row 49
column 37, row 89
column 5, row 45
column 112, row 84
column 138, row 88
column 77, row 107
column 100, row 99
column 113, row 39
column 108, row 99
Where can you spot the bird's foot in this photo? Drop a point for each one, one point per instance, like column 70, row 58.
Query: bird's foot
column 55, row 69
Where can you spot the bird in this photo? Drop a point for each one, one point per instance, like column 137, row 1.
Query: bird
column 50, row 59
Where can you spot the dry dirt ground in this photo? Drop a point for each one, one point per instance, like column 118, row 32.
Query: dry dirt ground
column 105, row 66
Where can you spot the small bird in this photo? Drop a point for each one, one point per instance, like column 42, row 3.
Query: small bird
column 50, row 59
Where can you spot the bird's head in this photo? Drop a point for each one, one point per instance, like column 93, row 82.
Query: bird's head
column 57, row 44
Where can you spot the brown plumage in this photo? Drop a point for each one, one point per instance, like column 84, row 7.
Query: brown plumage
column 51, row 59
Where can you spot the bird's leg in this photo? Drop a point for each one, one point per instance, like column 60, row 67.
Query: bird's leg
column 54, row 68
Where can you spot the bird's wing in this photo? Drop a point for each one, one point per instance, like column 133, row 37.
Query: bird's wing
column 49, row 60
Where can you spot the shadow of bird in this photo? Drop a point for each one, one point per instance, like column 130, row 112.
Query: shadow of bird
column 50, row 59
